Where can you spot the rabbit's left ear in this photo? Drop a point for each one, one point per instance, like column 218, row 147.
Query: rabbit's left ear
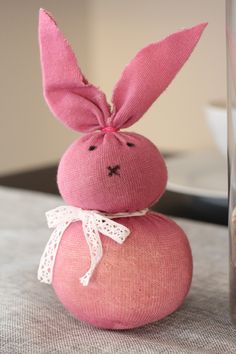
column 149, row 73
column 73, row 100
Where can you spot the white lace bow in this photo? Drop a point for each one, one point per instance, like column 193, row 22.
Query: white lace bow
column 93, row 222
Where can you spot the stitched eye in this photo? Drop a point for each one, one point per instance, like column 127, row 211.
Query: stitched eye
column 130, row 144
column 92, row 147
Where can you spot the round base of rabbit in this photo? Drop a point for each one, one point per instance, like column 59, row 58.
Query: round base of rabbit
column 141, row 281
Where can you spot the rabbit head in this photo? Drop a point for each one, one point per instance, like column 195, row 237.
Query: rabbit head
column 107, row 169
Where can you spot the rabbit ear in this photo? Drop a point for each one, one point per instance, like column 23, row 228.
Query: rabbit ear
column 149, row 73
column 78, row 104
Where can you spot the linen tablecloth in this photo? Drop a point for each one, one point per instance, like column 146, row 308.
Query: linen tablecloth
column 33, row 321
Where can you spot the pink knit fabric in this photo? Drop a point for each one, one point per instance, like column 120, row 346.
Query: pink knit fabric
column 149, row 73
column 148, row 276
column 141, row 281
column 82, row 106
column 78, row 104
column 84, row 180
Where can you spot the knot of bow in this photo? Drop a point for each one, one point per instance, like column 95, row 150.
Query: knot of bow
column 93, row 222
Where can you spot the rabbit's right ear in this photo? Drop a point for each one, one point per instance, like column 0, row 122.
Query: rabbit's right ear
column 78, row 104
column 150, row 73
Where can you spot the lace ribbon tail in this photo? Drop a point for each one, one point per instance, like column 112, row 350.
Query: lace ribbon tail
column 46, row 265
column 95, row 246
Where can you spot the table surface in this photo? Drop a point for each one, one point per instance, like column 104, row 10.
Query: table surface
column 33, row 321
column 177, row 201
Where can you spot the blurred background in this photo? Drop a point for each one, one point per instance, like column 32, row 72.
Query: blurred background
column 105, row 35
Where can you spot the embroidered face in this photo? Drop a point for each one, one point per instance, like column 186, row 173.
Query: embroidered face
column 107, row 169
column 125, row 172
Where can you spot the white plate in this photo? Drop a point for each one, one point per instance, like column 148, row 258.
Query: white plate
column 202, row 174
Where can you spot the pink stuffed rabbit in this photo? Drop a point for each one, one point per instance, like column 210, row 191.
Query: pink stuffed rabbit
column 112, row 262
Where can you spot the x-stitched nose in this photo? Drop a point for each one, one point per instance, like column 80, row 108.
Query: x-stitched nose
column 113, row 170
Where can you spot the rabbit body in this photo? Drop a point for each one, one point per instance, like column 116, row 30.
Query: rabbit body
column 146, row 277
column 136, row 283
